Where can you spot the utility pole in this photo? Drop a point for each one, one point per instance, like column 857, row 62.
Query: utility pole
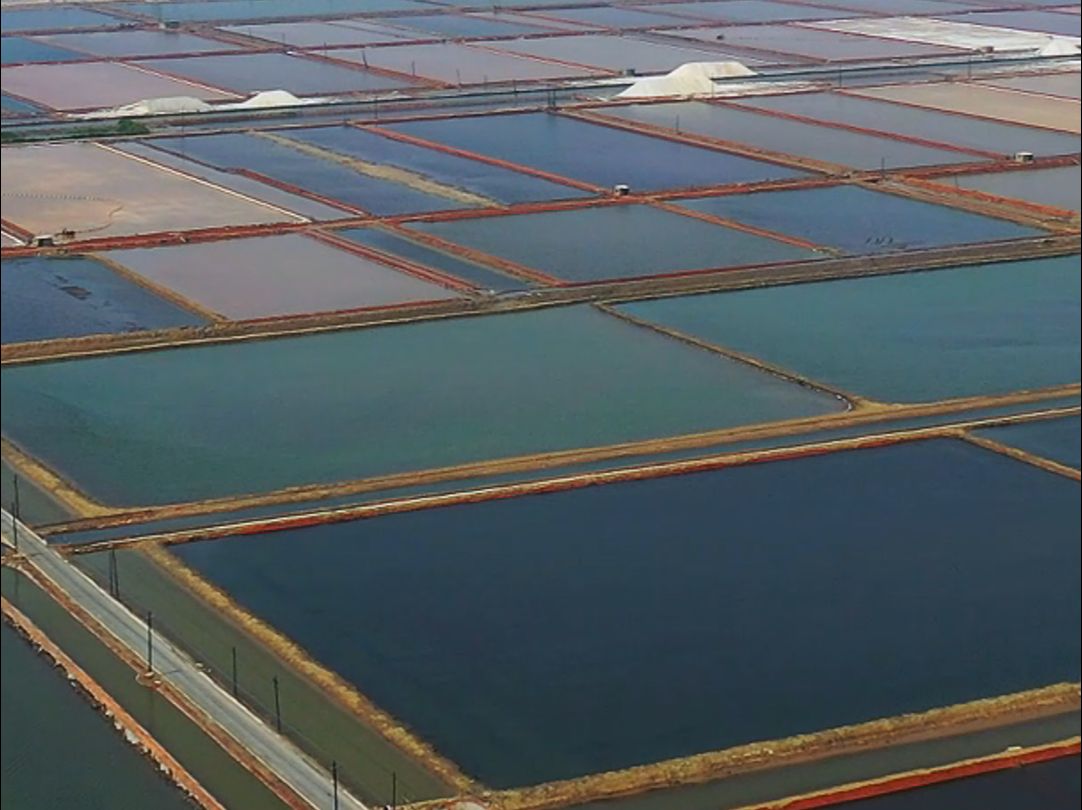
column 334, row 783
column 277, row 706
column 394, row 789
column 150, row 641
column 234, row 671
column 114, row 575
column 15, row 512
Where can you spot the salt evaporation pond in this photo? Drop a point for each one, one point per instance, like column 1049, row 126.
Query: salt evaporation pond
column 47, row 723
column 252, row 72
column 1067, row 84
column 945, row 127
column 276, row 275
column 501, row 184
column 324, row 177
column 972, row 99
column 596, row 154
column 30, row 19
column 45, row 298
column 132, row 43
column 458, row 63
column 754, row 11
column 802, row 43
column 617, row 52
column 14, row 50
column 857, row 220
column 201, row 11
column 320, row 34
column 1048, row 22
column 914, row 337
column 88, row 85
column 616, row 17
column 485, row 278
column 461, row 26
column 856, row 149
column 155, row 427
column 616, row 241
column 1057, row 439
column 700, row 611
column 1059, row 187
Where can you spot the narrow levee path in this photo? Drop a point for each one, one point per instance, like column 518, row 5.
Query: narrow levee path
column 181, row 676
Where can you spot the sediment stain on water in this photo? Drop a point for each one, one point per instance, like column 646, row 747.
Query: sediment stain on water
column 913, row 337
column 536, row 638
column 1055, row 439
column 47, row 723
column 45, row 298
column 193, row 423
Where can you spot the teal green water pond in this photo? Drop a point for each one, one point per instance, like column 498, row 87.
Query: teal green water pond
column 47, row 723
column 156, row 427
column 913, row 337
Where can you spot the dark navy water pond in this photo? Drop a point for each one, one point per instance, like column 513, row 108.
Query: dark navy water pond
column 45, row 298
column 546, row 637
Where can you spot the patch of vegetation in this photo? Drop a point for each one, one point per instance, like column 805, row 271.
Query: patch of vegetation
column 125, row 128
